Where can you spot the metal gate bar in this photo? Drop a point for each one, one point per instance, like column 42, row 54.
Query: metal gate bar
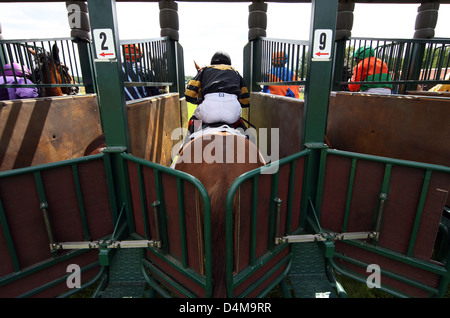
column 233, row 280
column 408, row 257
column 159, row 244
column 36, row 175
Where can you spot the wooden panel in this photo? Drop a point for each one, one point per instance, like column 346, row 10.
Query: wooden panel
column 285, row 113
column 396, row 126
column 44, row 130
column 405, row 127
column 151, row 122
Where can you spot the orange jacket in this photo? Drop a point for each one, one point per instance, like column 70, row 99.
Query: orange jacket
column 365, row 70
column 283, row 90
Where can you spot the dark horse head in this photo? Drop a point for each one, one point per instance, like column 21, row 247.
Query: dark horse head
column 50, row 70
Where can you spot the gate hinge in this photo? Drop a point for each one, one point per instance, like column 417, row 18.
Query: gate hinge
column 326, row 236
column 104, row 244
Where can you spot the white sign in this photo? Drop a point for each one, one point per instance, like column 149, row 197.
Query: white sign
column 322, row 44
column 104, row 44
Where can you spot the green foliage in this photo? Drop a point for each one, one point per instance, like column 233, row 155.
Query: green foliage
column 436, row 57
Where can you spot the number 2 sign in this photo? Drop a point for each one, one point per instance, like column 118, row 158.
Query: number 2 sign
column 322, row 44
column 104, row 44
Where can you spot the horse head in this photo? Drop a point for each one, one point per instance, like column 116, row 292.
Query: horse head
column 50, row 70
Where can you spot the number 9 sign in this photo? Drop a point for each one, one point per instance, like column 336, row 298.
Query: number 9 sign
column 322, row 44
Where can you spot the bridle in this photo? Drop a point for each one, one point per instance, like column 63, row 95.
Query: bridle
column 44, row 60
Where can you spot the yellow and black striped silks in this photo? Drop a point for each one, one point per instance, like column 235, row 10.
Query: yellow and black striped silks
column 215, row 79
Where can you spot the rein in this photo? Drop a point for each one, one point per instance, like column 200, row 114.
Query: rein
column 44, row 61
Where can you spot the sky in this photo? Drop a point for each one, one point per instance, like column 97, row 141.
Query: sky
column 209, row 27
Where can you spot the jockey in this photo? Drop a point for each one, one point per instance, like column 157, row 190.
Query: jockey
column 133, row 72
column 370, row 68
column 219, row 91
column 16, row 74
column 280, row 73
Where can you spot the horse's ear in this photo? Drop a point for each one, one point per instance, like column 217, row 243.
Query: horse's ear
column 197, row 67
column 55, row 52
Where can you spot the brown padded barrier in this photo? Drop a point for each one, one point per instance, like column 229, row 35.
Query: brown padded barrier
column 44, row 130
column 398, row 218
column 396, row 126
column 272, row 111
column 404, row 127
column 26, row 223
column 151, row 122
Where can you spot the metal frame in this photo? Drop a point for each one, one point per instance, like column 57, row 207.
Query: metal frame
column 110, row 91
column 69, row 50
column 160, row 249
column 19, row 271
column 408, row 258
column 410, row 61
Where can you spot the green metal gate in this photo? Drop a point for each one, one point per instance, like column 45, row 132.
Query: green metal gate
column 369, row 210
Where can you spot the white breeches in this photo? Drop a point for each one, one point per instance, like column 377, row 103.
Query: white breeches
column 219, row 107
column 379, row 90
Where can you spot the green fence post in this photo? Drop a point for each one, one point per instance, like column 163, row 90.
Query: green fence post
column 107, row 60
column 318, row 86
column 176, row 67
column 319, row 73
column 111, row 97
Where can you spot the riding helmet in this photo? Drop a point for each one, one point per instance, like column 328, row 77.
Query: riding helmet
column 19, row 70
column 221, row 58
column 364, row 52
column 132, row 52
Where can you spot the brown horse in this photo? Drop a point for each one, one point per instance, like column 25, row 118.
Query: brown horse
column 217, row 160
column 95, row 146
column 50, row 70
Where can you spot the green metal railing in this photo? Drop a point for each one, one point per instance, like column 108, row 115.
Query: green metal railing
column 156, row 60
column 20, row 52
column 234, row 280
column 310, row 222
column 159, row 207
column 442, row 269
column 411, row 62
column 293, row 56
column 152, row 58
column 48, row 212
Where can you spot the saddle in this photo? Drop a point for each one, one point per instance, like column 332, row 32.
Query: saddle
column 197, row 128
column 196, row 125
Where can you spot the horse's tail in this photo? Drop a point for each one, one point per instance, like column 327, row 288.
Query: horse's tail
column 218, row 238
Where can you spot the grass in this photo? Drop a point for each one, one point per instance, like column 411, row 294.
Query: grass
column 354, row 289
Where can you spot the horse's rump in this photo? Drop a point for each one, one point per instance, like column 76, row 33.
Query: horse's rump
column 95, row 146
column 217, row 160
